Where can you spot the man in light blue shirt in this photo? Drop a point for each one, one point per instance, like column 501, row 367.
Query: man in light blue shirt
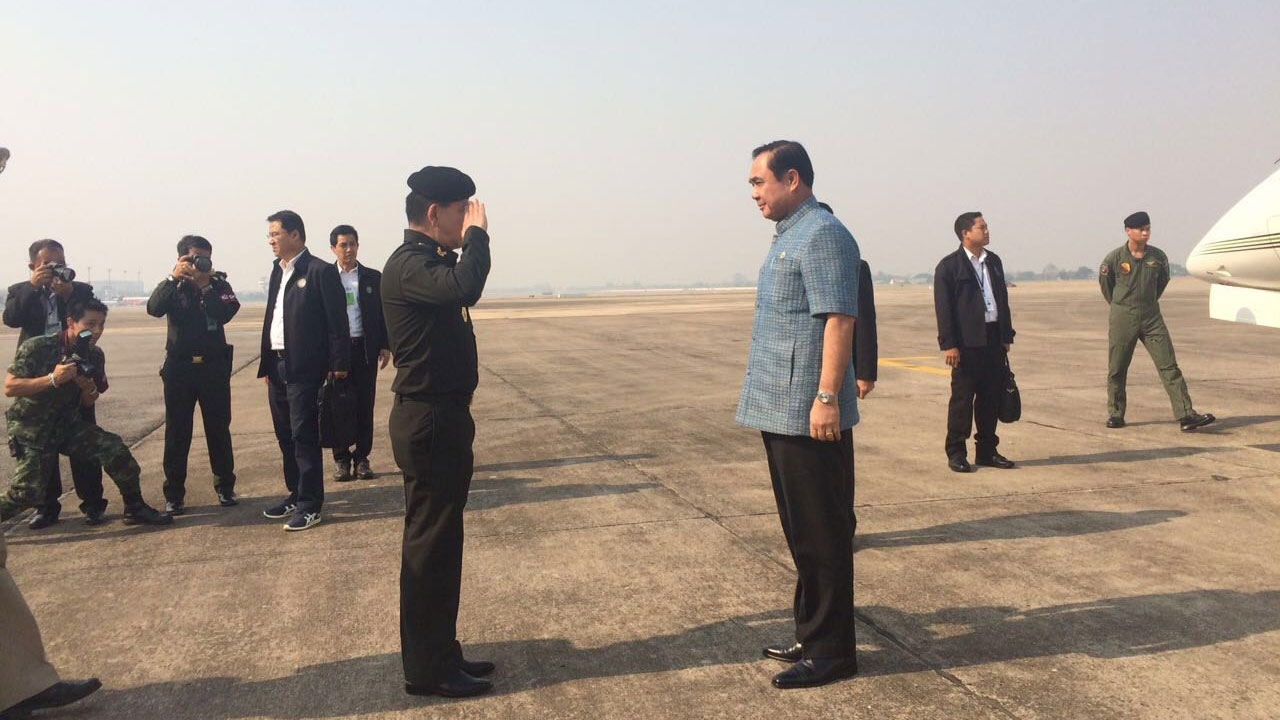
column 800, row 392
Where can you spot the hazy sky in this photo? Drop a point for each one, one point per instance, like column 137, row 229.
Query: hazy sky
column 611, row 141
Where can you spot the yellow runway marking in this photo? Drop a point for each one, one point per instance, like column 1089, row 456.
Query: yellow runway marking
column 910, row 363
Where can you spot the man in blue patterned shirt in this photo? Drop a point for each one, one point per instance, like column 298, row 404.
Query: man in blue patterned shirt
column 800, row 392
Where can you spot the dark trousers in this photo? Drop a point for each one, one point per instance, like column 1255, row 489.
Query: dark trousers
column 86, row 475
column 295, row 413
column 813, row 487
column 185, row 384
column 364, row 378
column 431, row 441
column 975, row 396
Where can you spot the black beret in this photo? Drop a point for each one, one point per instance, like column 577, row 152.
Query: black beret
column 1137, row 220
column 442, row 184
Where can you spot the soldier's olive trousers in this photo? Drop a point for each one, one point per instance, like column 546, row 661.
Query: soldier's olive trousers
column 1126, row 329
column 81, row 441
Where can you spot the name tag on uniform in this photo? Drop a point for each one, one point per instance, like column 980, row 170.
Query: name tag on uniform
column 351, row 299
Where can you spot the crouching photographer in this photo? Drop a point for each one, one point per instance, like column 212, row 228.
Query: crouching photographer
column 52, row 377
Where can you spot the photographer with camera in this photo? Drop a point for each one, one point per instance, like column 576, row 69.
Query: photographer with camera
column 52, row 377
column 197, row 368
column 39, row 307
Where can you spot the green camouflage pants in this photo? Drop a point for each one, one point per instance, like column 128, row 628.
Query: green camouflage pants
column 81, row 440
column 1126, row 329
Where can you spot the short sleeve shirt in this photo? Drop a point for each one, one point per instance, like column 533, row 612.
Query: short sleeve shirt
column 811, row 271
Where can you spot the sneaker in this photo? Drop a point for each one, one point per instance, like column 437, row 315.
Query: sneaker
column 42, row 520
column 227, row 498
column 175, row 507
column 283, row 510
column 362, row 470
column 1194, row 420
column 144, row 514
column 302, row 521
column 342, row 471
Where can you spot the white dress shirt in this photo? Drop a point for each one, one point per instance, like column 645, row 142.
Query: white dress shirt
column 979, row 263
column 277, row 316
column 351, row 283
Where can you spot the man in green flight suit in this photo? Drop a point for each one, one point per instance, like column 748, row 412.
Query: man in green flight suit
column 1133, row 276
column 52, row 376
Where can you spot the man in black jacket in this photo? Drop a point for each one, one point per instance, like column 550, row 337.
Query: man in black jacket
column 39, row 307
column 369, row 353
column 427, row 291
column 304, row 340
column 974, row 333
column 197, row 368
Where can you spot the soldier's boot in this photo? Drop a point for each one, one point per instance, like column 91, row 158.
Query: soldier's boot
column 137, row 512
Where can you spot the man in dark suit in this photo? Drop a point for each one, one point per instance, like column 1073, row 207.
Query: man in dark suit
column 975, row 333
column 369, row 348
column 304, row 340
column 39, row 307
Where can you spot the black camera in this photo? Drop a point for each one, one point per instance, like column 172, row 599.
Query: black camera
column 201, row 263
column 62, row 272
column 79, row 355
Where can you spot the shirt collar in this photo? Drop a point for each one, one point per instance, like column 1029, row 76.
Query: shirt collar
column 788, row 222
column 288, row 266
column 352, row 271
column 415, row 237
column 978, row 258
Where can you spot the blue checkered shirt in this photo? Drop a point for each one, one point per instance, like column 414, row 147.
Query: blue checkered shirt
column 811, row 270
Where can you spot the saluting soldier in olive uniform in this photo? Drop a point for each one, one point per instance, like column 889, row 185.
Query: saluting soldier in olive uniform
column 427, row 291
column 44, row 421
column 1133, row 276
column 197, row 368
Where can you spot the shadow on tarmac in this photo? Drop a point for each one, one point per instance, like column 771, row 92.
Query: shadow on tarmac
column 1231, row 423
column 1122, row 456
column 352, row 502
column 1065, row 523
column 1110, row 628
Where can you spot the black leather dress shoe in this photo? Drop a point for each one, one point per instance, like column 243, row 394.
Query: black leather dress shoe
column 1194, row 420
column 456, row 684
column 56, row 695
column 996, row 461
column 1115, row 422
column 813, row 672
column 959, row 464
column 95, row 517
column 785, row 653
column 477, row 668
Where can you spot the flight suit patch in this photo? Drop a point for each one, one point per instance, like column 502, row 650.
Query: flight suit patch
column 1125, row 268
column 1151, row 263
column 1105, row 269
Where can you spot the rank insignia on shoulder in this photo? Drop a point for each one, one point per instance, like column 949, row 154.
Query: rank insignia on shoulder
column 302, row 283
column 1105, row 269
column 1125, row 268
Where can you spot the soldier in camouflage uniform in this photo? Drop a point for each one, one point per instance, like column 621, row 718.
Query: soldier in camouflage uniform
column 1133, row 276
column 50, row 389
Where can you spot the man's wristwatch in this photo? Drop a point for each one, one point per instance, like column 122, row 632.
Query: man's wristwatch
column 826, row 398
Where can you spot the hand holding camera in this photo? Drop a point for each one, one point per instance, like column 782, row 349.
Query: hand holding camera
column 64, row 373
column 193, row 268
column 55, row 275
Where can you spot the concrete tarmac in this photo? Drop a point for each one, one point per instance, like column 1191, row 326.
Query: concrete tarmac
column 624, row 558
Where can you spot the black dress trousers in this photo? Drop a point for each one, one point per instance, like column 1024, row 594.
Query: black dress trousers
column 813, row 487
column 431, row 440
column 186, row 384
column 975, row 396
column 364, row 378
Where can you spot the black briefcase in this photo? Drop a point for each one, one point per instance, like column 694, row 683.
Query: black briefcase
column 1010, row 398
column 337, row 414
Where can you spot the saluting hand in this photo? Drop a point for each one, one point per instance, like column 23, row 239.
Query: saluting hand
column 476, row 216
